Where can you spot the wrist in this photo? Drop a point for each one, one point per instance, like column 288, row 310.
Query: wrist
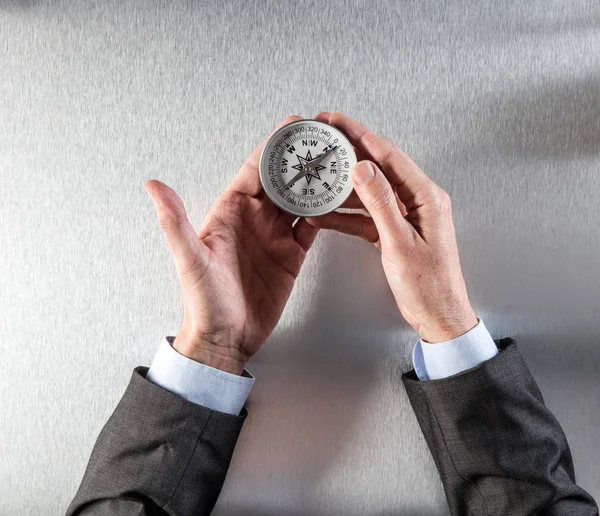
column 219, row 353
column 449, row 327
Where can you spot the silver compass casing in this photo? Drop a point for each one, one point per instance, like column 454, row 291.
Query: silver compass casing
column 325, row 199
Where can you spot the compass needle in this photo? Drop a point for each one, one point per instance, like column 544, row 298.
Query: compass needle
column 321, row 157
column 313, row 150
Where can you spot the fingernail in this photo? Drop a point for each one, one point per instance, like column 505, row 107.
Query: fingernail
column 362, row 173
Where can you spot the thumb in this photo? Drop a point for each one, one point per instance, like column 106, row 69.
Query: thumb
column 187, row 249
column 378, row 197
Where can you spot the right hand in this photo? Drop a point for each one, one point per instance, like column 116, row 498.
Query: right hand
column 411, row 223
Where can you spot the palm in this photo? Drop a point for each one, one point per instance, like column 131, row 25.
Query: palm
column 253, row 261
column 238, row 272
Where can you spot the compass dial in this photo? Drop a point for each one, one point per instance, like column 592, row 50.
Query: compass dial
column 305, row 168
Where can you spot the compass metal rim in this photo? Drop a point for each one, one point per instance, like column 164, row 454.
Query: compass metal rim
column 277, row 202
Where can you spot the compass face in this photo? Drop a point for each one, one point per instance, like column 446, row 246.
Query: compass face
column 305, row 168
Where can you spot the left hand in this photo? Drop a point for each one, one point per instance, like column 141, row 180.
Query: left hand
column 237, row 274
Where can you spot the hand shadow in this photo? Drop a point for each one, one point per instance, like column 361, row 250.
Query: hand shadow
column 316, row 379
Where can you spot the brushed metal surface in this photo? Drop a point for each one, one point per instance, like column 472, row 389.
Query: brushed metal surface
column 496, row 100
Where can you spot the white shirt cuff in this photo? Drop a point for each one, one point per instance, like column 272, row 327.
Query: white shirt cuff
column 199, row 383
column 436, row 361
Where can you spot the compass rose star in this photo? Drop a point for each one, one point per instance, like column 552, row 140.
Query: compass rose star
column 302, row 163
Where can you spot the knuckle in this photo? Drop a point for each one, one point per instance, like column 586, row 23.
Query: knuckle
column 251, row 164
column 372, row 140
column 445, row 203
column 441, row 200
column 390, row 152
column 366, row 136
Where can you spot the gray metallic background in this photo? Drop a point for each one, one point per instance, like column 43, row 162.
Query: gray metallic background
column 498, row 101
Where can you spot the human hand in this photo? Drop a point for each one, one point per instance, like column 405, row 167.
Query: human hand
column 237, row 274
column 411, row 223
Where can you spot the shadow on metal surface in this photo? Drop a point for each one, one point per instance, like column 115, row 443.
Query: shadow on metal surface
column 558, row 119
column 317, row 377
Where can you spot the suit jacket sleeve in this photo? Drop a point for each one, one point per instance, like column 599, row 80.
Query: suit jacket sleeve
column 157, row 455
column 497, row 447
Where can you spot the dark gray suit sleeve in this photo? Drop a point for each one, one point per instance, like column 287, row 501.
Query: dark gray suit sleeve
column 498, row 449
column 157, row 455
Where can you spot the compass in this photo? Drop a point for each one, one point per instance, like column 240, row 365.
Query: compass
column 305, row 168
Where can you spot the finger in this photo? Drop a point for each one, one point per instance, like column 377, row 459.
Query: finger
column 285, row 220
column 283, row 223
column 305, row 234
column 407, row 178
column 247, row 180
column 323, row 116
column 403, row 209
column 187, row 249
column 376, row 193
column 353, row 224
column 353, row 202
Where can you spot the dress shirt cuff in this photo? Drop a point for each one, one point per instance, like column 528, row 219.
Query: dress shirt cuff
column 199, row 383
column 435, row 361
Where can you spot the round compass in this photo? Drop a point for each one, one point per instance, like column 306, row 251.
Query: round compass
column 305, row 168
